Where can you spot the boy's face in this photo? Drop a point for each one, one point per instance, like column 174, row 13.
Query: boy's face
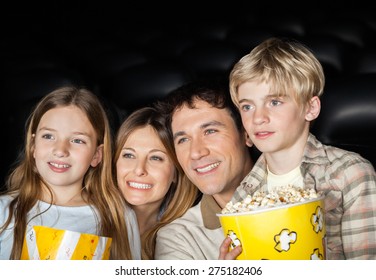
column 275, row 124
column 210, row 149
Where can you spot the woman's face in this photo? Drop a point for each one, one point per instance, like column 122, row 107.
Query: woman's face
column 144, row 169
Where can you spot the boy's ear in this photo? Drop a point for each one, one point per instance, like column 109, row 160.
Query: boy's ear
column 248, row 140
column 97, row 158
column 313, row 109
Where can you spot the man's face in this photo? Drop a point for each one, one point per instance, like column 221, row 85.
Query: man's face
column 210, row 149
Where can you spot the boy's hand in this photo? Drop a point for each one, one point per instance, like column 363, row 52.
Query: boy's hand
column 225, row 254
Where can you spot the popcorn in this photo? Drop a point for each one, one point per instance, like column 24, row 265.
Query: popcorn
column 279, row 196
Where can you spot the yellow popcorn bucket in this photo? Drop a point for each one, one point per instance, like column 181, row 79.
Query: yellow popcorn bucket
column 44, row 243
column 289, row 232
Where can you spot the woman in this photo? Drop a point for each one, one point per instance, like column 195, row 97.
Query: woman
column 149, row 176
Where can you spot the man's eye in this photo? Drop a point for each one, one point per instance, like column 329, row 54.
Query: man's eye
column 182, row 140
column 210, row 131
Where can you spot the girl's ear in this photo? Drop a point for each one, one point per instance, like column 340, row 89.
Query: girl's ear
column 313, row 110
column 248, row 140
column 97, row 158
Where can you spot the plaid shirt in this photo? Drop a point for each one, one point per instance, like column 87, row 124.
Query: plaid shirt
column 349, row 184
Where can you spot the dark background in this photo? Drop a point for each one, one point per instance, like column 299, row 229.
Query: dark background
column 133, row 52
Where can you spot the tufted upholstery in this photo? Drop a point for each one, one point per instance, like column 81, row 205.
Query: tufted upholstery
column 142, row 84
column 348, row 115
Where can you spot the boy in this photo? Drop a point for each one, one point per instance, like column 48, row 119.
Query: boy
column 277, row 89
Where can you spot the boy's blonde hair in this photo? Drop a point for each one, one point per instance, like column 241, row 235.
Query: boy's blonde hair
column 288, row 66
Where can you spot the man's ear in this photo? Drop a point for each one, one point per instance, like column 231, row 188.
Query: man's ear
column 313, row 109
column 248, row 140
column 97, row 158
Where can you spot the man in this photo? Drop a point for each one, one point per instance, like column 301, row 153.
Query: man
column 211, row 147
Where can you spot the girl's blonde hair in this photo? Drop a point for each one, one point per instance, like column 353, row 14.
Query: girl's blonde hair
column 181, row 195
column 24, row 183
column 287, row 65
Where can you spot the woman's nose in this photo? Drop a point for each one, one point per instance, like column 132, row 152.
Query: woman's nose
column 140, row 168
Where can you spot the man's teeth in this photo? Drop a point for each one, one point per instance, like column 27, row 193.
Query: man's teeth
column 208, row 168
column 140, row 186
column 59, row 165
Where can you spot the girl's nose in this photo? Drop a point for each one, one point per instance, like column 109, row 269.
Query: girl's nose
column 61, row 149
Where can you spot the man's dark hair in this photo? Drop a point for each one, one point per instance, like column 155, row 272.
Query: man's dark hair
column 214, row 92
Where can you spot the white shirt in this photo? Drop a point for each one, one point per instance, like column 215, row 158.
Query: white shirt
column 187, row 238
column 81, row 219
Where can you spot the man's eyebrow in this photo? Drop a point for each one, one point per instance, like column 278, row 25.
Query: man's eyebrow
column 202, row 126
column 178, row 134
column 211, row 123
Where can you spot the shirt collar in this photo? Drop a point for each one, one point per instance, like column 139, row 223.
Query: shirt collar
column 209, row 209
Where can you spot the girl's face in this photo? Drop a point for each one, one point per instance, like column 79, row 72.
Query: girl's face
column 144, row 169
column 65, row 147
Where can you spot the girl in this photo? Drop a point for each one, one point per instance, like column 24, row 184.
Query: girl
column 64, row 179
column 149, row 175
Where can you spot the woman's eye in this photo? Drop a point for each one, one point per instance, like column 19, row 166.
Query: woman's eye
column 128, row 155
column 157, row 158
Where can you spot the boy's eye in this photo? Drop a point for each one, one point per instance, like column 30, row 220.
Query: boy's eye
column 275, row 102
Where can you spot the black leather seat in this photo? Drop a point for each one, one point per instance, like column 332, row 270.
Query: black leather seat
column 143, row 84
column 330, row 51
column 348, row 115
column 20, row 92
column 246, row 37
column 364, row 61
column 211, row 59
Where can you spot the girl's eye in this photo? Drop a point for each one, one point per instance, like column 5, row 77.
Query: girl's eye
column 246, row 107
column 47, row 136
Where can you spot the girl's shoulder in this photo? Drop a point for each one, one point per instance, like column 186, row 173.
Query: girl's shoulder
column 5, row 201
column 4, row 207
